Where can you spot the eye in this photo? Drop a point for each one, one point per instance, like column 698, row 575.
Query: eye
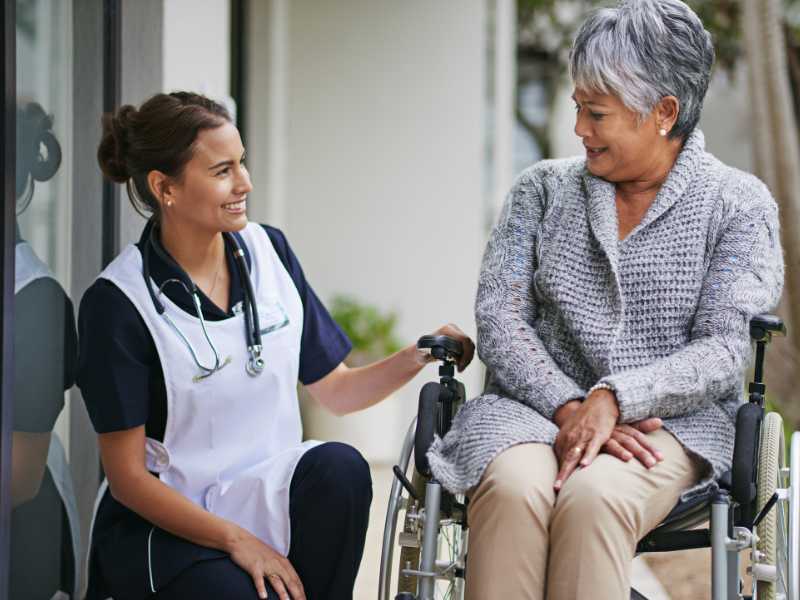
column 597, row 116
column 223, row 171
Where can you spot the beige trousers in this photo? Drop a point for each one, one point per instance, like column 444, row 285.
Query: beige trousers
column 527, row 543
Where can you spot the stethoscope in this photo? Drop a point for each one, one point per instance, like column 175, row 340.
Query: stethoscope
column 255, row 364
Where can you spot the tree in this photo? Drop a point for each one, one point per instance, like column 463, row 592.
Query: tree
column 766, row 35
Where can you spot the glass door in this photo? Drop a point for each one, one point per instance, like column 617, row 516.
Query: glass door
column 56, row 248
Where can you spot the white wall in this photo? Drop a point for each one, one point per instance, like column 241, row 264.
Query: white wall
column 383, row 150
column 197, row 47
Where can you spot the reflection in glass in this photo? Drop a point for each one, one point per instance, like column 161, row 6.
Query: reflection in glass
column 45, row 349
column 44, row 526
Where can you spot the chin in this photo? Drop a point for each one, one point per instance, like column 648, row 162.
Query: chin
column 235, row 225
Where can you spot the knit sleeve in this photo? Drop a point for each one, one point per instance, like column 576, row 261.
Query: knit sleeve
column 744, row 278
column 505, row 308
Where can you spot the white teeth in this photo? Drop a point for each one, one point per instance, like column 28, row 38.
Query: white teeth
column 234, row 205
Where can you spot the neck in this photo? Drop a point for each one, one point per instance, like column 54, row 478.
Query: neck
column 648, row 184
column 198, row 252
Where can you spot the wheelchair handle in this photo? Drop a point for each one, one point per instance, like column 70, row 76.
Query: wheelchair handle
column 442, row 347
column 762, row 327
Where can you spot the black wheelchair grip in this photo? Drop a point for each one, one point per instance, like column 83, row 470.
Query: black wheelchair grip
column 426, row 425
column 745, row 453
column 441, row 346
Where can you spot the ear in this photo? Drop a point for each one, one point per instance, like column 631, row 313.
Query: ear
column 666, row 112
column 162, row 188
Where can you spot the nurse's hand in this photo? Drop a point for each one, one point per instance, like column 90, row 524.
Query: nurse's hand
column 261, row 561
column 454, row 332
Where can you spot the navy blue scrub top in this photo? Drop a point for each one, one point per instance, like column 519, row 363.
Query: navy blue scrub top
column 120, row 373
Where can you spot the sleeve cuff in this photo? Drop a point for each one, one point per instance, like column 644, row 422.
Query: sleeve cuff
column 631, row 397
column 558, row 395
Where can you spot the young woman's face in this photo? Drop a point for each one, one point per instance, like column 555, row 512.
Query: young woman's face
column 212, row 194
column 619, row 147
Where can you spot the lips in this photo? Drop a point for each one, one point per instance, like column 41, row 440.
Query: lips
column 594, row 152
column 235, row 207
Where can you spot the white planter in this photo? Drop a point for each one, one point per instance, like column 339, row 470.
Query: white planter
column 376, row 432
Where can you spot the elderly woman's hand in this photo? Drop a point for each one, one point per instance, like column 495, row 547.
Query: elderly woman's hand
column 585, row 432
column 630, row 441
column 454, row 332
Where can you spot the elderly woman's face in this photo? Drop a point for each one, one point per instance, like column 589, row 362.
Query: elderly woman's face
column 619, row 147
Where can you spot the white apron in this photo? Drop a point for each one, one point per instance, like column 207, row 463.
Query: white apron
column 232, row 441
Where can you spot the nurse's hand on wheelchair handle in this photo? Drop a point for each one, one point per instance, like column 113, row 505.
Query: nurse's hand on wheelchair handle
column 453, row 331
column 262, row 562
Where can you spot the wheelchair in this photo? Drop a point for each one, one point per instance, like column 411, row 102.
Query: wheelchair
column 755, row 507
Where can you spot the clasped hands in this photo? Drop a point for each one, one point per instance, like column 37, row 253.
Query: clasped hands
column 589, row 427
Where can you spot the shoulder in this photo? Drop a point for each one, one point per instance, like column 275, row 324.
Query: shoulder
column 105, row 305
column 543, row 185
column 277, row 238
column 741, row 192
column 552, row 172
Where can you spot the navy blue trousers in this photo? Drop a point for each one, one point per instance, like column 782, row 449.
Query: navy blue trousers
column 329, row 501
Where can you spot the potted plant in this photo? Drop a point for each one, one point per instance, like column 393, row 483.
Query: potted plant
column 377, row 431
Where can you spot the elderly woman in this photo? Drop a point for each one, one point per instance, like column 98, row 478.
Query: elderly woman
column 612, row 313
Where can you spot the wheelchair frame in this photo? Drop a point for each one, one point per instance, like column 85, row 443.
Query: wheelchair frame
column 743, row 513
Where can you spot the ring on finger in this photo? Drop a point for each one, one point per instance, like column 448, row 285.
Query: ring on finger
column 577, row 450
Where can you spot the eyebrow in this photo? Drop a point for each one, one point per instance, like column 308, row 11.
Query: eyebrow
column 575, row 100
column 224, row 163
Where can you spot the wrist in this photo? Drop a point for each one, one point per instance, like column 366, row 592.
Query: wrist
column 232, row 536
column 417, row 358
column 603, row 395
column 567, row 409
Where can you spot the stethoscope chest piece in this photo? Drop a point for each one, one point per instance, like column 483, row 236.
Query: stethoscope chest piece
column 255, row 364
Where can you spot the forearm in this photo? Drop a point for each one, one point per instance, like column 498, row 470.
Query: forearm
column 350, row 390
column 704, row 371
column 169, row 510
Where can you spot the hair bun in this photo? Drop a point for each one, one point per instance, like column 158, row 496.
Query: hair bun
column 112, row 152
column 38, row 150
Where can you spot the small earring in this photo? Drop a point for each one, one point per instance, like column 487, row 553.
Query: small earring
column 662, row 132
column 169, row 202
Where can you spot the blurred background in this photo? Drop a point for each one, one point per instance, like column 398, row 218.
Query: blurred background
column 382, row 137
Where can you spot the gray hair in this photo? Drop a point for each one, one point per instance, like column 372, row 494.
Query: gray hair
column 642, row 51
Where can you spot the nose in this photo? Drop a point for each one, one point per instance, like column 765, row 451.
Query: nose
column 581, row 125
column 243, row 184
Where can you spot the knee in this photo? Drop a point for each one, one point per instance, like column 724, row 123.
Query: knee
column 339, row 471
column 588, row 502
column 515, row 490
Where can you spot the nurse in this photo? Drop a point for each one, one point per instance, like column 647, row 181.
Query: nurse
column 192, row 343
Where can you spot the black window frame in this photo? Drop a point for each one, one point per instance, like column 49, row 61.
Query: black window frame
column 8, row 166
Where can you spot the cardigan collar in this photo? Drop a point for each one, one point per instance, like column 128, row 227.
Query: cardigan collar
column 601, row 197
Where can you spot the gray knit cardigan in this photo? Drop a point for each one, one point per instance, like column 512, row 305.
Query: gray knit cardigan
column 661, row 316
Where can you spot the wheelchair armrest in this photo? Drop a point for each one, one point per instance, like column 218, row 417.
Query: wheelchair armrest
column 745, row 453
column 763, row 326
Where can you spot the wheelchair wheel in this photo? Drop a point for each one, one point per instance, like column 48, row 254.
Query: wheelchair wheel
column 771, row 570
column 451, row 544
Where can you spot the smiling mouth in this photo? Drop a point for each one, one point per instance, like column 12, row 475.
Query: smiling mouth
column 235, row 207
column 594, row 152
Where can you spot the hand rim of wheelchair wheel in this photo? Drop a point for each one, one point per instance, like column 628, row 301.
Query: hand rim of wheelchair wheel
column 773, row 531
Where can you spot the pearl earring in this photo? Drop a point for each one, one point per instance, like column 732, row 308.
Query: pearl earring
column 662, row 132
column 169, row 202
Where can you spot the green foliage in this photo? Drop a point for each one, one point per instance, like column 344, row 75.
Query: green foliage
column 371, row 331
